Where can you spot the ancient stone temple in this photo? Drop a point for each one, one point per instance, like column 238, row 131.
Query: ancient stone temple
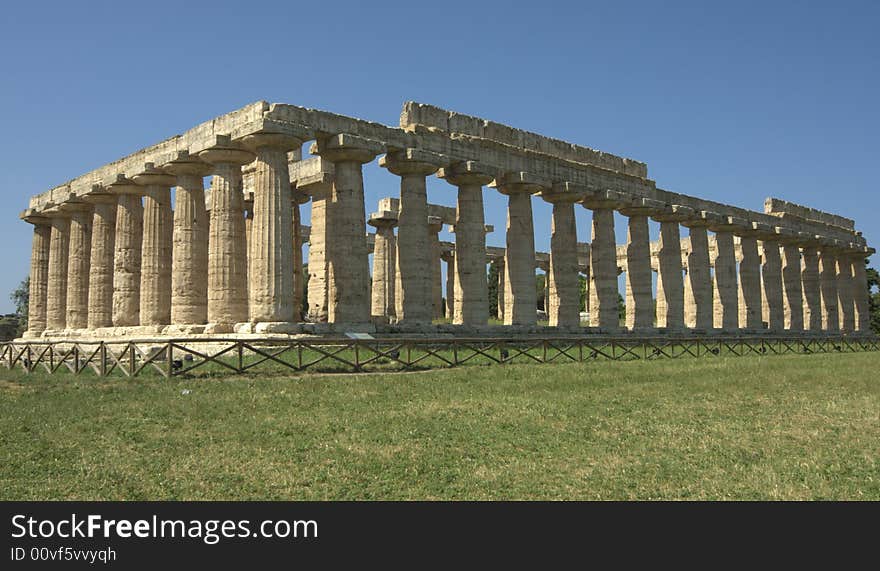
column 142, row 247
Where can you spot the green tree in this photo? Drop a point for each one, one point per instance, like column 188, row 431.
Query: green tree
column 540, row 280
column 873, row 297
column 492, row 278
column 20, row 297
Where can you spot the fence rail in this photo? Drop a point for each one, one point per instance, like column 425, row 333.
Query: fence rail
column 203, row 357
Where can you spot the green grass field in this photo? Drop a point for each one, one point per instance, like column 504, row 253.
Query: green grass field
column 780, row 427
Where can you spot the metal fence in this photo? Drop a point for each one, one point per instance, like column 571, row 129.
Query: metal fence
column 205, row 357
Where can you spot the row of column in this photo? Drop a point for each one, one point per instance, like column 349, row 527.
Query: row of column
column 759, row 279
column 124, row 257
column 121, row 256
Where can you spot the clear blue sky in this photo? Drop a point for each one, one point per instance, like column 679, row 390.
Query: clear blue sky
column 732, row 101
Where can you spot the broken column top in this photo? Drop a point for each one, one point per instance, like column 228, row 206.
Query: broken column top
column 416, row 115
column 779, row 207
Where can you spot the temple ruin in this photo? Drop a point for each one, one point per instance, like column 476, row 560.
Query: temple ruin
column 114, row 258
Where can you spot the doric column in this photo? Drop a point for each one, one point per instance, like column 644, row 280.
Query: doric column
column 793, row 306
column 270, row 248
column 448, row 257
column 603, row 260
column 78, row 260
column 860, row 291
column 39, row 276
column 157, row 246
column 828, row 286
column 414, row 287
column 471, row 288
column 845, row 297
column 500, row 289
column 771, row 278
column 520, row 297
column 127, row 252
column 100, row 294
column 699, row 312
column 812, row 290
column 670, row 284
column 435, row 224
column 639, row 276
column 299, row 197
column 726, row 289
column 227, row 243
column 384, row 265
column 248, row 221
column 750, row 304
column 56, row 291
column 564, row 298
column 347, row 262
column 189, row 265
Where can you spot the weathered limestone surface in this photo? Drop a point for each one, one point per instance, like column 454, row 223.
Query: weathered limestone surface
column 500, row 288
column 828, row 288
column 435, row 272
column 726, row 293
column 471, row 289
column 792, row 287
column 699, row 312
column 78, row 260
column 413, row 287
column 771, row 282
column 812, row 291
column 860, row 295
column 750, row 308
column 270, row 259
column 384, row 266
column 189, row 267
column 845, row 294
column 157, row 247
column 563, row 288
column 639, row 275
column 298, row 275
column 346, row 253
column 100, row 294
column 449, row 258
column 39, row 276
column 670, row 284
column 56, row 291
column 519, row 263
column 227, row 300
column 427, row 138
column 127, row 255
column 603, row 270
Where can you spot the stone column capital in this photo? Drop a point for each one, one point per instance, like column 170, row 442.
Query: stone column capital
column 703, row 219
column 564, row 192
column 435, row 224
column 154, row 176
column 73, row 206
column 466, row 173
column 124, row 185
column 298, row 196
column 520, row 182
column 35, row 217
column 280, row 141
column 732, row 224
column 344, row 147
column 673, row 213
column 53, row 211
column 643, row 207
column 227, row 152
column 604, row 200
column 412, row 161
column 383, row 219
column 187, row 165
